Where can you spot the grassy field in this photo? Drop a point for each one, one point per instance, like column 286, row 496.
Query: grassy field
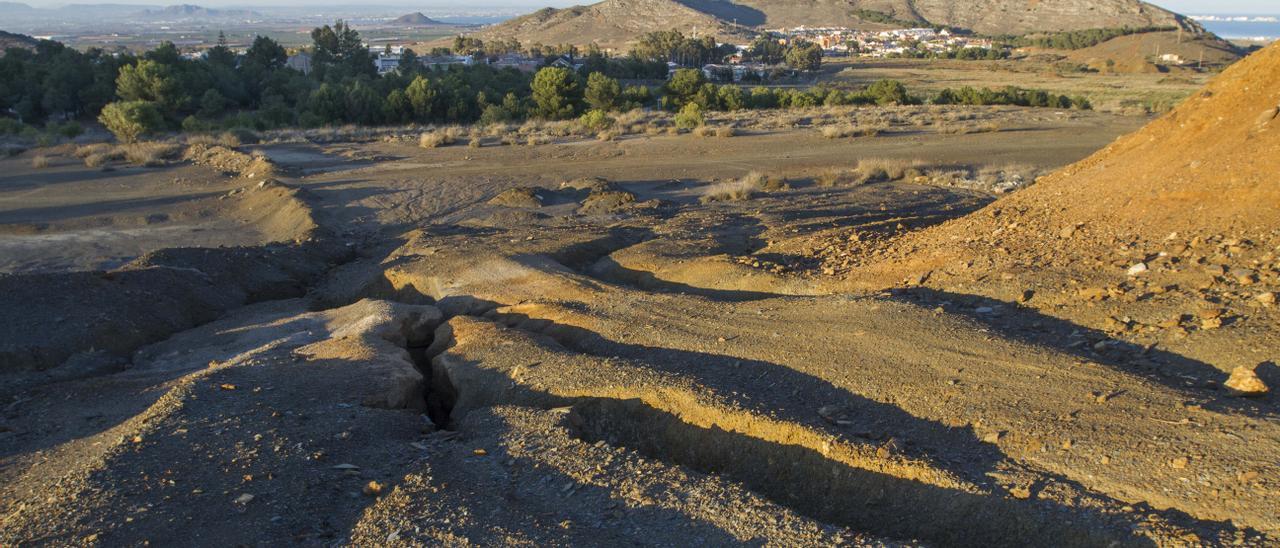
column 1129, row 93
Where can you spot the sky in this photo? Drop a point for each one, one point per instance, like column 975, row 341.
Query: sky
column 1191, row 7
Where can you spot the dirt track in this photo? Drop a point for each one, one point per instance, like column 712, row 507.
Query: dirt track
column 437, row 369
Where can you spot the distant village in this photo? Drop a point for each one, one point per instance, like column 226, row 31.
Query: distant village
column 737, row 67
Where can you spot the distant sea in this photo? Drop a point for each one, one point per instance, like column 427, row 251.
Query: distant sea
column 1260, row 27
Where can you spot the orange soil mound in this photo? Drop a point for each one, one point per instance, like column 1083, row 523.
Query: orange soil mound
column 1209, row 167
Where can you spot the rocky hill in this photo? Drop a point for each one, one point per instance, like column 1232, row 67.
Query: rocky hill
column 611, row 23
column 416, row 19
column 618, row 22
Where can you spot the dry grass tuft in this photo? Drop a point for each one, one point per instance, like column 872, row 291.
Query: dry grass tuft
column 608, row 135
column 850, row 130
column 85, row 151
column 742, row 189
column 703, row 131
column 439, row 138
column 40, row 162
column 149, row 153
column 726, row 131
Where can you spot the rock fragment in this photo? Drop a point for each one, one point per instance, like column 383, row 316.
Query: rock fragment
column 1244, row 382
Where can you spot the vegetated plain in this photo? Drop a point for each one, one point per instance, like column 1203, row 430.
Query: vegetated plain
column 817, row 325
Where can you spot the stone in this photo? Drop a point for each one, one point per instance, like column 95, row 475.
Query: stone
column 373, row 488
column 1244, row 276
column 1244, row 382
column 1211, row 323
column 1209, row 313
column 1266, row 299
column 1179, row 463
column 1137, row 269
column 244, row 498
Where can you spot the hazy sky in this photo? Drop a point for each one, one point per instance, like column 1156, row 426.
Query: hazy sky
column 1182, row 6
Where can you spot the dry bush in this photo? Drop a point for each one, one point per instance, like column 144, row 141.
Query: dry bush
column 704, row 131
column 149, row 153
column 438, row 138
column 851, row 130
column 475, row 142
column 201, row 139
column 726, row 131
column 498, row 130
column 653, row 129
column 890, row 169
column 608, row 135
column 741, row 189
column 85, row 151
column 535, row 140
column 40, row 162
column 630, row 117
column 673, row 130
column 965, row 129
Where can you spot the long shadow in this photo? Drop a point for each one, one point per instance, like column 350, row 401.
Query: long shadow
column 63, row 212
column 521, row 506
column 802, row 478
column 1182, row 374
column 743, row 15
column 22, row 182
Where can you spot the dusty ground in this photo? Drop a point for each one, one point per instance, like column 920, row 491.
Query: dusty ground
column 480, row 347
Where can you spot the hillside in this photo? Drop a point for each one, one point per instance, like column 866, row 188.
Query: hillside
column 1208, row 163
column 12, row 40
column 416, row 19
column 617, row 22
column 611, row 24
column 1136, row 52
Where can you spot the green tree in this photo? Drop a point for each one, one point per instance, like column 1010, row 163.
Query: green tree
column 888, row 92
column 422, row 99
column 149, row 80
column 602, row 92
column 804, row 56
column 221, row 54
column 212, row 104
column 684, row 85
column 129, row 120
column 556, row 93
column 690, row 116
column 339, row 53
column 327, row 103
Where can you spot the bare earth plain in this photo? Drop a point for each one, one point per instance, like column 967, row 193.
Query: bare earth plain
column 382, row 344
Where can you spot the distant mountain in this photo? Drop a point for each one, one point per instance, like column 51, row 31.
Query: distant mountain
column 189, row 11
column 416, row 19
column 12, row 7
column 613, row 23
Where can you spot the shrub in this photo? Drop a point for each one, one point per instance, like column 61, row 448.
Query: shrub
column 850, row 130
column 149, row 154
column 608, row 135
column 596, row 120
column 740, row 189
column 704, row 131
column 129, row 120
column 726, row 131
column 438, row 138
column 475, row 142
column 70, row 130
column 690, row 116
column 40, row 162
column 86, row 150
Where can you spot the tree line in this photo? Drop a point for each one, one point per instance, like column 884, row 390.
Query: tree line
column 163, row 90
